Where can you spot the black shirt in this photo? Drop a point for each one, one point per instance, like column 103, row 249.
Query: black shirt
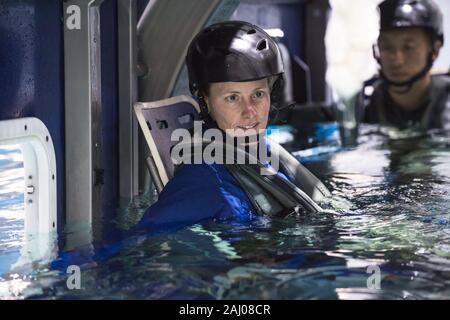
column 433, row 112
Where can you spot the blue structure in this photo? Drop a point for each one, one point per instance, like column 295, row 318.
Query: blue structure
column 31, row 72
column 32, row 81
column 74, row 65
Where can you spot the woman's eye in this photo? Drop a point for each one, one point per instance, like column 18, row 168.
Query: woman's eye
column 259, row 94
column 232, row 98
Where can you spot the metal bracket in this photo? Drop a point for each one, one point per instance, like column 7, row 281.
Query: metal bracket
column 83, row 106
column 128, row 126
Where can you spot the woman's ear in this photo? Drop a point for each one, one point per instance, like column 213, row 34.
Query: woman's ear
column 437, row 45
column 205, row 97
column 206, row 100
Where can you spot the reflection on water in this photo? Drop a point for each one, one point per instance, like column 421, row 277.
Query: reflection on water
column 11, row 206
column 398, row 221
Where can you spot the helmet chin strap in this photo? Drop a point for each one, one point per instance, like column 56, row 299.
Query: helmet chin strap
column 275, row 111
column 204, row 112
column 408, row 84
column 275, row 97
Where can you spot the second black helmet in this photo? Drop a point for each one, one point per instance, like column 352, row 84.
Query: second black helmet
column 412, row 13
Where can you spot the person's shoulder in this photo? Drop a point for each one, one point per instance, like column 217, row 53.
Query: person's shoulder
column 371, row 93
column 211, row 182
column 200, row 176
column 441, row 81
column 193, row 194
column 200, row 171
column 372, row 87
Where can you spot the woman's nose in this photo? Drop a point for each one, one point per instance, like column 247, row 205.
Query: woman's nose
column 248, row 108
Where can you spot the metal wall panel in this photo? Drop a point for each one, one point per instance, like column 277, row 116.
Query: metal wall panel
column 32, row 72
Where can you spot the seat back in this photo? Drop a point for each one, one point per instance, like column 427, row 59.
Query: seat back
column 158, row 119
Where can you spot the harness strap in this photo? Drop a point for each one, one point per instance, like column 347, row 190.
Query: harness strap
column 270, row 195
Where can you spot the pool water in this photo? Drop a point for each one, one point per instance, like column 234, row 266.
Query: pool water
column 11, row 206
column 385, row 235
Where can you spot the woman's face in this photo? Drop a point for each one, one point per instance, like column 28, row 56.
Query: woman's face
column 240, row 106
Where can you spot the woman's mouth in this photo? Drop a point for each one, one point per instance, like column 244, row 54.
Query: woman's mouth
column 248, row 127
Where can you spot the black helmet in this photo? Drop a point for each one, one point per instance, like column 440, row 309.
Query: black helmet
column 232, row 51
column 412, row 13
column 407, row 14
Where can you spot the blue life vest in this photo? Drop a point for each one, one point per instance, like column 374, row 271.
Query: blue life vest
column 198, row 192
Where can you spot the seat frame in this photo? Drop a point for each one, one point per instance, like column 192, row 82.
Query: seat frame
column 155, row 163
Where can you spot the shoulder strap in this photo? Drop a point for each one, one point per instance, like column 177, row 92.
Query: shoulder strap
column 270, row 194
column 440, row 96
column 303, row 178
